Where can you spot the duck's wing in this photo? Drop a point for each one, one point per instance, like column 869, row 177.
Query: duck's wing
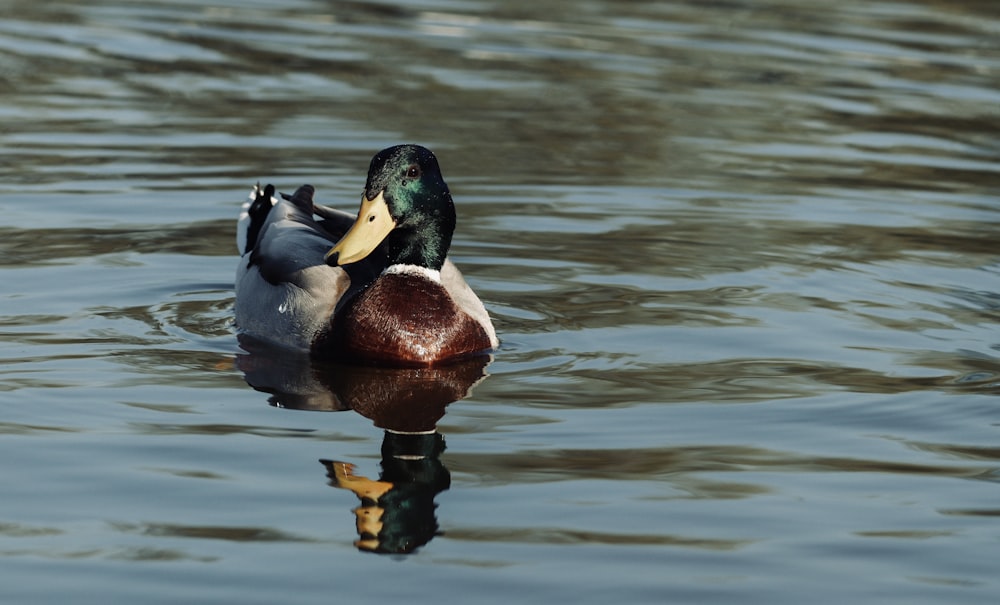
column 291, row 241
column 336, row 221
column 285, row 292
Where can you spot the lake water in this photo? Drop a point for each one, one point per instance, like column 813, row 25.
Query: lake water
column 743, row 257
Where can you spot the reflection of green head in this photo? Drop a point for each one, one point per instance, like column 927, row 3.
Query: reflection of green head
column 412, row 464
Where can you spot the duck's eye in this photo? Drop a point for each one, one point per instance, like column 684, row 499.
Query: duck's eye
column 413, row 171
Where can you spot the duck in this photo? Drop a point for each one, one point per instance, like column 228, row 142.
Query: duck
column 375, row 288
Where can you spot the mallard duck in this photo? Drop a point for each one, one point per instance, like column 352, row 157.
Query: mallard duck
column 373, row 289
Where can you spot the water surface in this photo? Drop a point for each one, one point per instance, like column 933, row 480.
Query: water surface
column 742, row 257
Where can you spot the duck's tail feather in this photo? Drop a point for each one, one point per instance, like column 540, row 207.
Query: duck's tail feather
column 253, row 215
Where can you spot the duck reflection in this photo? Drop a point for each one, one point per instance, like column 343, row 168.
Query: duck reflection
column 396, row 513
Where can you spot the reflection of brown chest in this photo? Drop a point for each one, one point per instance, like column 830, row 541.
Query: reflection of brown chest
column 405, row 320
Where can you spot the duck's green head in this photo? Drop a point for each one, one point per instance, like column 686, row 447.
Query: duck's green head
column 407, row 204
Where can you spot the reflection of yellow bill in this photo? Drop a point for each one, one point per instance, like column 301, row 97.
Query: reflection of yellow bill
column 371, row 227
column 369, row 514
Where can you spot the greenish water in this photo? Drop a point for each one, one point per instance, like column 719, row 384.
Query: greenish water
column 743, row 259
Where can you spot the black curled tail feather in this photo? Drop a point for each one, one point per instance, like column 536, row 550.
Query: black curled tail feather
column 258, row 212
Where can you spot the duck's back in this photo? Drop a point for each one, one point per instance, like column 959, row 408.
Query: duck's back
column 285, row 292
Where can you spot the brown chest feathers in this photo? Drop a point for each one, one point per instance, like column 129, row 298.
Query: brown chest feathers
column 403, row 319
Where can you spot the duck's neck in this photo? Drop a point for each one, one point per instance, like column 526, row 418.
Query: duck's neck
column 423, row 245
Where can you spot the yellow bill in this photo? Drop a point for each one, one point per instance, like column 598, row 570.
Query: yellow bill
column 371, row 227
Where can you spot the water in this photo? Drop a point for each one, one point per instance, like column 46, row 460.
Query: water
column 743, row 259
